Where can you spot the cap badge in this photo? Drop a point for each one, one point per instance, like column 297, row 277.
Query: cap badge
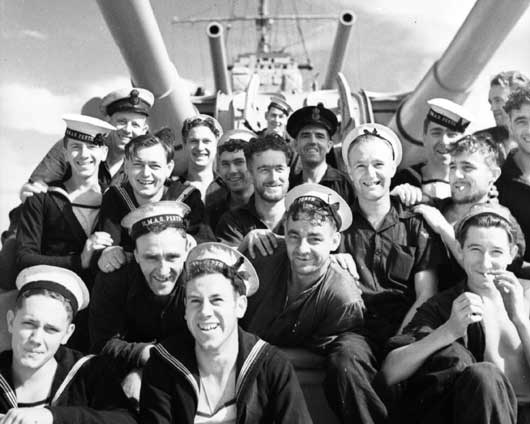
column 316, row 114
column 134, row 97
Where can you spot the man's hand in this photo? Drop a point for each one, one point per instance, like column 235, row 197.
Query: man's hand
column 113, row 258
column 265, row 241
column 467, row 309
column 131, row 384
column 408, row 194
column 434, row 219
column 512, row 294
column 29, row 189
column 346, row 261
column 27, row 416
column 97, row 241
column 146, row 354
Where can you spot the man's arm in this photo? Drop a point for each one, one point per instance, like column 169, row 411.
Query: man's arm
column 425, row 286
column 404, row 361
column 52, row 167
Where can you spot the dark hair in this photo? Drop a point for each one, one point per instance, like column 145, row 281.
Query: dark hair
column 510, row 79
column 213, row 266
column 232, row 145
column 311, row 209
column 48, row 293
column 200, row 121
column 518, row 98
column 267, row 142
column 486, row 220
column 478, row 143
column 147, row 140
column 167, row 135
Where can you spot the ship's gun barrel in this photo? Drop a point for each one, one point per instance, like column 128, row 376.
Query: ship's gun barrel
column 136, row 32
column 484, row 29
column 218, row 52
column 338, row 51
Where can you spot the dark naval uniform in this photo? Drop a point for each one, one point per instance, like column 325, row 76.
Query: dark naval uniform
column 84, row 390
column 321, row 319
column 455, row 381
column 514, row 193
column 119, row 200
column 267, row 389
column 126, row 316
column 234, row 225
column 332, row 178
column 387, row 261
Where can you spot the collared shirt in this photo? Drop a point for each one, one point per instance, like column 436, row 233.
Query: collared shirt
column 514, row 193
column 234, row 225
column 388, row 259
column 333, row 179
column 330, row 307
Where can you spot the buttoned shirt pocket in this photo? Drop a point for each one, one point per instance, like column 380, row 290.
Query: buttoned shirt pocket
column 401, row 262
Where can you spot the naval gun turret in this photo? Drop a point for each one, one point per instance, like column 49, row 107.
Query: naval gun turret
column 218, row 52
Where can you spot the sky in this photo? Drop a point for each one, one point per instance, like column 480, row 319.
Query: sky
column 56, row 54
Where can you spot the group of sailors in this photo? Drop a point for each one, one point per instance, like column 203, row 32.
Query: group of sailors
column 145, row 296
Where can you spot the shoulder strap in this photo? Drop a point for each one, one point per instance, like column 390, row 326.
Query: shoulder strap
column 248, row 365
column 179, row 367
column 69, row 377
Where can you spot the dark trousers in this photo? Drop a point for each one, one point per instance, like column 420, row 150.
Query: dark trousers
column 451, row 387
column 350, row 370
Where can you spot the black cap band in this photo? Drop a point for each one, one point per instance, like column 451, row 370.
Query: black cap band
column 87, row 138
column 54, row 287
column 331, row 208
column 458, row 126
column 146, row 225
column 279, row 106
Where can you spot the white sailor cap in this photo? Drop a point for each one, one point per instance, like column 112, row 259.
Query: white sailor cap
column 376, row 130
column 229, row 261
column 485, row 209
column 330, row 199
column 237, row 134
column 170, row 213
column 280, row 103
column 86, row 128
column 448, row 114
column 60, row 280
column 137, row 100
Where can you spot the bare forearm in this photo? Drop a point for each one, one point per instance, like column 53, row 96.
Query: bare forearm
column 523, row 329
column 404, row 361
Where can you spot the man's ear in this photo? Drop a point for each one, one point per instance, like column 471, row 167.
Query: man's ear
column 514, row 249
column 10, row 317
column 104, row 153
column 241, row 306
column 335, row 241
column 170, row 166
column 135, row 252
column 459, row 252
column 394, row 168
column 69, row 331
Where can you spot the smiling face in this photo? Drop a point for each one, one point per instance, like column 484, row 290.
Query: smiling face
column 161, row 258
column 497, row 97
column 84, row 158
column 213, row 308
column 313, row 144
column 470, row 177
column 485, row 249
column 148, row 170
column 201, row 145
column 438, row 140
column 309, row 243
column 276, row 121
column 372, row 166
column 38, row 328
column 520, row 127
column 270, row 175
column 128, row 125
column 232, row 168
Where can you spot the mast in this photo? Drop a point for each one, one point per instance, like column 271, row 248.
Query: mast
column 263, row 26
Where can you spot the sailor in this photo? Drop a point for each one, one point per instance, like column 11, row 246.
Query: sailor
column 142, row 302
column 233, row 171
column 256, row 224
column 201, row 134
column 395, row 252
column 501, row 85
column 466, row 352
column 223, row 374
column 42, row 381
column 514, row 181
column 127, row 109
column 312, row 128
column 277, row 113
column 148, row 166
column 308, row 301
column 445, row 123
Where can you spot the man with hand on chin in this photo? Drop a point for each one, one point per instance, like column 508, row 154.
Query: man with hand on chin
column 466, row 352
column 142, row 302
column 221, row 373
